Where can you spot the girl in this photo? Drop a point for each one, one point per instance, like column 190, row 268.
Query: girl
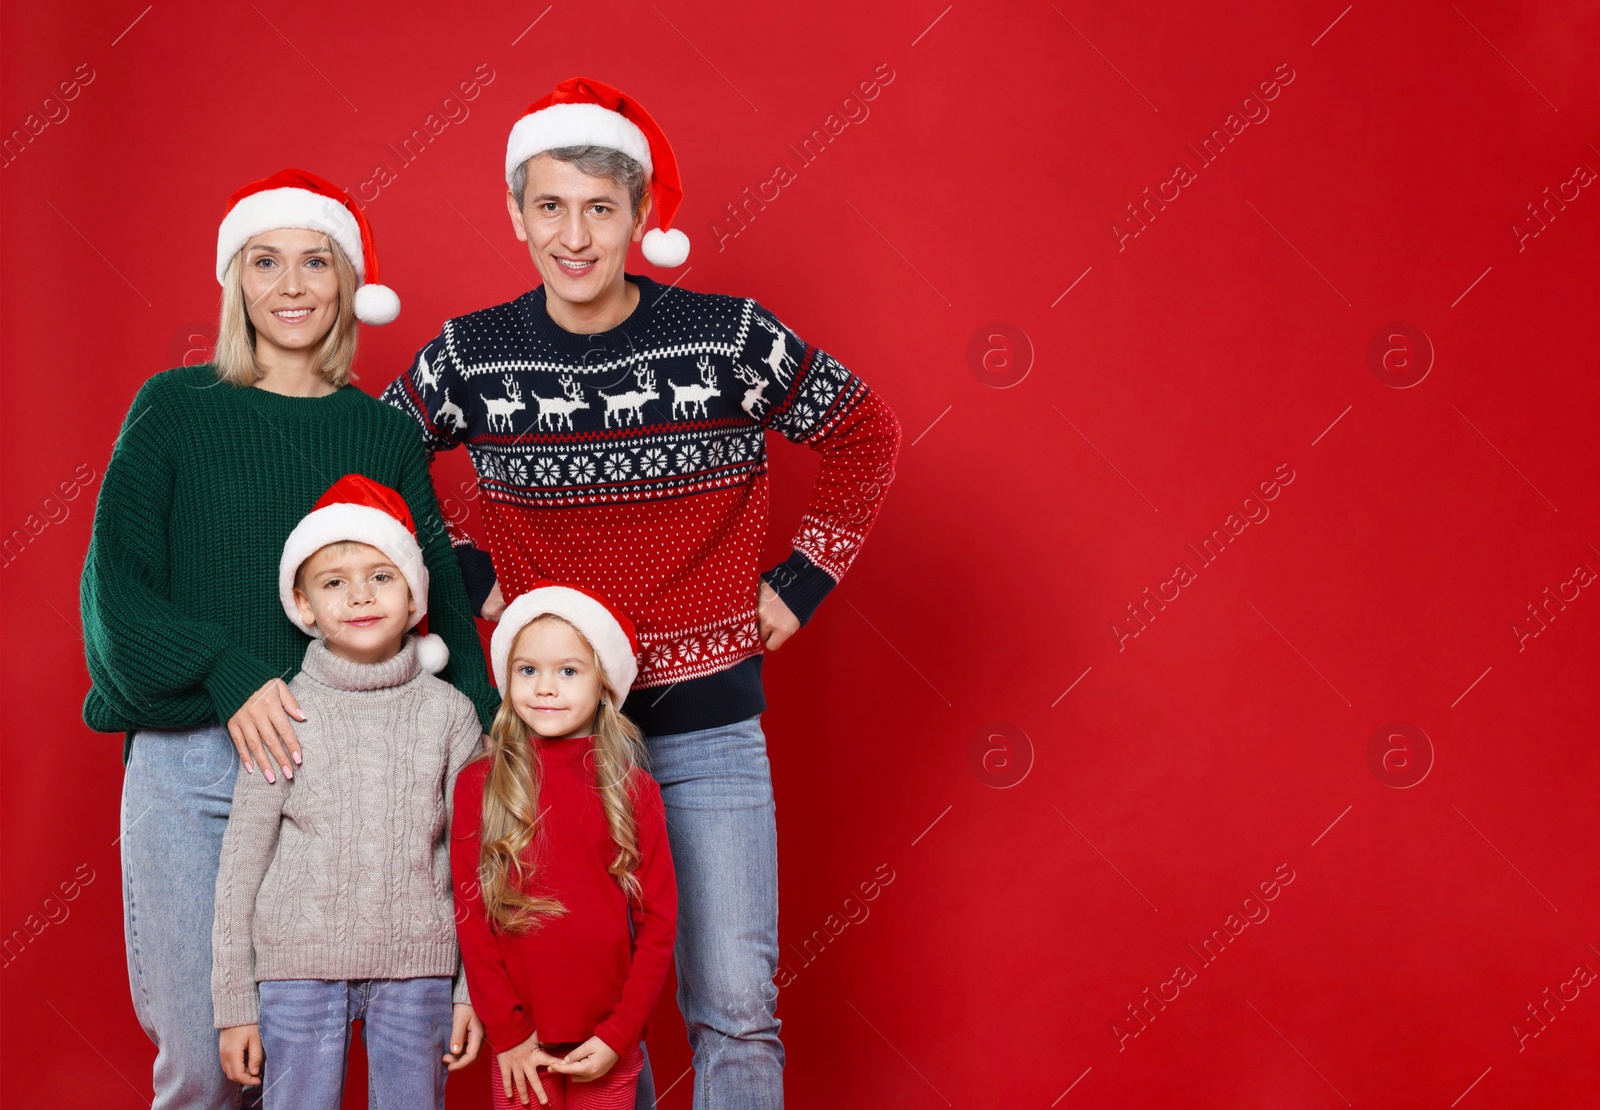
column 188, row 651
column 559, row 842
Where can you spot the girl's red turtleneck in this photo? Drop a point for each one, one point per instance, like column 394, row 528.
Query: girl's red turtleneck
column 580, row 974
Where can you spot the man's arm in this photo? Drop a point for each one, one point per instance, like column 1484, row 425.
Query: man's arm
column 432, row 393
column 815, row 401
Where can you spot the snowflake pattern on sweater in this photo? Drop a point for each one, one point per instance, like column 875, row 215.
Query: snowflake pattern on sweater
column 633, row 461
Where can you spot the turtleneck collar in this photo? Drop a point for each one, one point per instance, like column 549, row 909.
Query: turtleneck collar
column 572, row 747
column 342, row 674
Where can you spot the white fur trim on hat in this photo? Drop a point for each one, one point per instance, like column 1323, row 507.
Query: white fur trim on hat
column 271, row 209
column 376, row 304
column 586, row 614
column 363, row 524
column 665, row 248
column 575, row 125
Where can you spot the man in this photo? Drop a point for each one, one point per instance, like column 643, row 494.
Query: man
column 617, row 426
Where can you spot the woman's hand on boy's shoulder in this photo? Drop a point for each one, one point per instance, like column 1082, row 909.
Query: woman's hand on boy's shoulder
column 466, row 1037
column 262, row 724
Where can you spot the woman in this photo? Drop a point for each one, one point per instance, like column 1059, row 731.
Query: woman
column 187, row 645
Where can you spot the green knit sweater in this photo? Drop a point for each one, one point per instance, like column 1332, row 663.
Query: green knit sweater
column 181, row 617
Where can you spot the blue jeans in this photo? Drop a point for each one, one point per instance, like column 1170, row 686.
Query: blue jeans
column 722, row 825
column 305, row 1039
column 177, row 791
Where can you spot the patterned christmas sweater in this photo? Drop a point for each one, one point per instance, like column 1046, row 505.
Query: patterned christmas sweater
column 633, row 461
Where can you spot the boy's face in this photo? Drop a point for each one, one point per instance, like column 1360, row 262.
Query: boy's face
column 357, row 598
column 555, row 687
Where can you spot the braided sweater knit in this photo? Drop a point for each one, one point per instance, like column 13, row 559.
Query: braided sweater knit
column 179, row 595
column 343, row 872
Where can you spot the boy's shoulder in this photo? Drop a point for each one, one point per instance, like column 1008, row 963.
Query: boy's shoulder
column 438, row 690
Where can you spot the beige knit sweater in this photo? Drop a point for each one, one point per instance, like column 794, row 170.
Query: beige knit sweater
column 343, row 872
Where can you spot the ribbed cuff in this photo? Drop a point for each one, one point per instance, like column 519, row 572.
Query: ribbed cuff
column 236, row 1009
column 459, row 995
column 800, row 583
column 234, row 677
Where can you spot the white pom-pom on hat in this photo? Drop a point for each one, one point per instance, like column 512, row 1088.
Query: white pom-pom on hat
column 376, row 304
column 665, row 248
column 432, row 653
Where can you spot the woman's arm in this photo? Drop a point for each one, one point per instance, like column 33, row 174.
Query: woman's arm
column 655, row 922
column 145, row 653
column 155, row 663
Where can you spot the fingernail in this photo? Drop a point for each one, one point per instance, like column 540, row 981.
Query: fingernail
column 250, row 766
column 288, row 772
column 297, row 758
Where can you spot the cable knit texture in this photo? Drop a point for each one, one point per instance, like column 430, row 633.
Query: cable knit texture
column 343, row 872
column 181, row 618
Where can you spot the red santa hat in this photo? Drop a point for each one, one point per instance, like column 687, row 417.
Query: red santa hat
column 605, row 626
column 296, row 198
column 357, row 508
column 584, row 112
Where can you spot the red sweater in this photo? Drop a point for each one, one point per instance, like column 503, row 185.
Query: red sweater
column 578, row 975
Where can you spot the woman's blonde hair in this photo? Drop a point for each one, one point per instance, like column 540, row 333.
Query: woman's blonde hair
column 510, row 817
column 235, row 356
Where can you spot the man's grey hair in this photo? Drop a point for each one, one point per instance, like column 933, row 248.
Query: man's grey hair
column 595, row 161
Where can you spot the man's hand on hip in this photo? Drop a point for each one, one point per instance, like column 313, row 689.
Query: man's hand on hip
column 494, row 606
column 775, row 619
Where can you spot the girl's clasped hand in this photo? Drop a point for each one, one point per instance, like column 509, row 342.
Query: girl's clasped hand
column 519, row 1067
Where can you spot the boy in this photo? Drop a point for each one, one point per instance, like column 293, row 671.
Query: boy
column 333, row 899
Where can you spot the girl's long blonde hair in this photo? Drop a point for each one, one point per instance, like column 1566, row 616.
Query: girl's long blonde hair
column 510, row 817
column 235, row 355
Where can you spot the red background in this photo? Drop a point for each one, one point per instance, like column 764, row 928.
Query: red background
column 1230, row 337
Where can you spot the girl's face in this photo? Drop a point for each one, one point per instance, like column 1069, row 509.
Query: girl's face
column 357, row 598
column 291, row 291
column 555, row 686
